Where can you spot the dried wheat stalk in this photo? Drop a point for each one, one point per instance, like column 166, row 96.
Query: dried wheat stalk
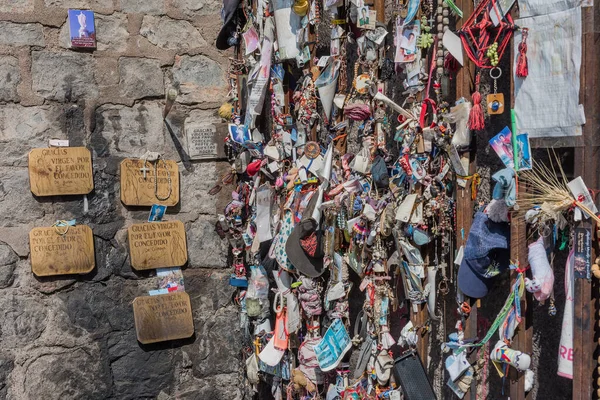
column 549, row 190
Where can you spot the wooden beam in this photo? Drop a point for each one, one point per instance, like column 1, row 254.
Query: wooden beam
column 587, row 165
column 464, row 204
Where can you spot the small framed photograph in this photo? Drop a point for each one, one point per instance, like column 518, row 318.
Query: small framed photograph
column 502, row 145
column 168, row 280
column 157, row 213
column 366, row 18
column 406, row 44
column 251, row 40
column 239, row 133
column 82, row 30
column 417, row 169
column 524, row 152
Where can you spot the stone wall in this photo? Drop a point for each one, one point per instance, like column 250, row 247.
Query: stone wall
column 73, row 337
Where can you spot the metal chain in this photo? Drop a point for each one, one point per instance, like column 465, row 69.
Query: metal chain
column 156, row 180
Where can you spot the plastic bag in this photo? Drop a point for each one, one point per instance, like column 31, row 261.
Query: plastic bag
column 361, row 163
column 540, row 269
column 459, row 115
column 258, row 284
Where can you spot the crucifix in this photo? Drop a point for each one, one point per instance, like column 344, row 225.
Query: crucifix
column 144, row 169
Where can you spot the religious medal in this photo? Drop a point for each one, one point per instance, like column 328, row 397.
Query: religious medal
column 495, row 101
column 312, row 150
column 361, row 83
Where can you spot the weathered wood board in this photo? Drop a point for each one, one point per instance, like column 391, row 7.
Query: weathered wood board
column 157, row 245
column 137, row 190
column 60, row 171
column 56, row 254
column 163, row 317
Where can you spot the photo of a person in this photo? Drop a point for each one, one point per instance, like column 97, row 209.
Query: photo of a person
column 409, row 43
column 417, row 169
column 524, row 152
column 502, row 145
column 239, row 133
column 406, row 43
column 364, row 17
column 170, row 279
column 157, row 213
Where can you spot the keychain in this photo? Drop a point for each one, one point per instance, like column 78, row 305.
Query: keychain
column 495, row 101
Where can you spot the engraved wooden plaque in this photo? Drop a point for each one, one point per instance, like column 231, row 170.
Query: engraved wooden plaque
column 157, row 245
column 137, row 190
column 163, row 317
column 55, row 254
column 205, row 141
column 60, row 171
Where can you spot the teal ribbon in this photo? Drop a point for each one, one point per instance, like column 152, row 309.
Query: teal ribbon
column 513, row 299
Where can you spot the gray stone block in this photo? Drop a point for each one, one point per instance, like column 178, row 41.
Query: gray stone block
column 62, row 76
column 205, row 247
column 14, row 34
column 140, row 77
column 193, row 8
column 155, row 7
column 10, row 76
column 25, row 128
column 16, row 6
column 200, row 79
column 111, row 32
column 171, row 34
column 129, row 131
column 18, row 204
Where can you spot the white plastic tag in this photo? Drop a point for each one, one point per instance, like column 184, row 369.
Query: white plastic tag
column 405, row 210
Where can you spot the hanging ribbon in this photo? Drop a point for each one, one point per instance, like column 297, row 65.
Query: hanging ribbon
column 522, row 67
column 428, row 101
column 475, row 181
column 513, row 303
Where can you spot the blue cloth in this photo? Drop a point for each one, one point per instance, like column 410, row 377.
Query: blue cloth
column 486, row 255
column 505, row 187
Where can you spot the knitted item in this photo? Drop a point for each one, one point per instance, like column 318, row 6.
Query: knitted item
column 357, row 112
column 504, row 354
column 309, row 297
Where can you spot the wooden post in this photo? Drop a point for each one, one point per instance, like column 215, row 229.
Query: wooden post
column 524, row 334
column 587, row 165
column 523, row 339
column 464, row 204
column 380, row 9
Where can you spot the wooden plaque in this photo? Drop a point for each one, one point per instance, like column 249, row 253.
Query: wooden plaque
column 157, row 245
column 206, row 141
column 163, row 317
column 60, row 171
column 56, row 254
column 137, row 190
